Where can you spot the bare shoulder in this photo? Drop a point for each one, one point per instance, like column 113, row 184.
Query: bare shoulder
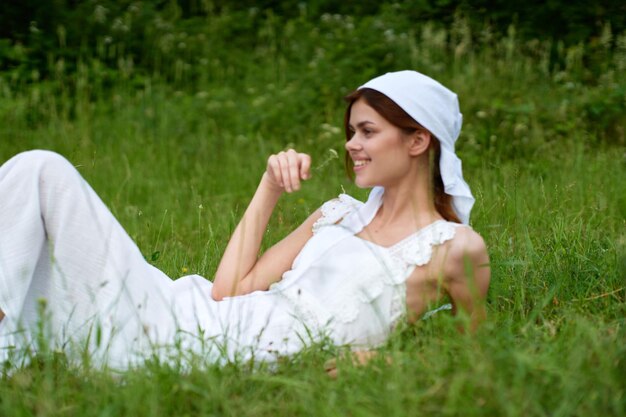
column 467, row 250
column 467, row 274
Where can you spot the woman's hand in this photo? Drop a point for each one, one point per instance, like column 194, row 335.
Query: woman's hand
column 286, row 169
column 359, row 358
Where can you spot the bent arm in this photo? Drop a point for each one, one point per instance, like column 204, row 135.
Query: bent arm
column 242, row 249
column 460, row 269
column 240, row 270
column 467, row 278
column 278, row 259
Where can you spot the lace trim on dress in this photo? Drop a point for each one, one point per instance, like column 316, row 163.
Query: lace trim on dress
column 418, row 248
column 335, row 210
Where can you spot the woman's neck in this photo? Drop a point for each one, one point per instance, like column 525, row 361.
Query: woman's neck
column 409, row 203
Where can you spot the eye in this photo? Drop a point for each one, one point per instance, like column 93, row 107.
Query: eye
column 367, row 132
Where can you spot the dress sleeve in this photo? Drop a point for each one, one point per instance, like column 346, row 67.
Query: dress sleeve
column 418, row 249
column 335, row 210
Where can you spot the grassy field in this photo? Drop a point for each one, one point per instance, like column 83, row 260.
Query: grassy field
column 177, row 155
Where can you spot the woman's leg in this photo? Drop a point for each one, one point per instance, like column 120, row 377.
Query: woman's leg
column 64, row 256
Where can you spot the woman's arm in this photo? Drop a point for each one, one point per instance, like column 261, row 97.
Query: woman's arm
column 240, row 270
column 458, row 268
column 467, row 274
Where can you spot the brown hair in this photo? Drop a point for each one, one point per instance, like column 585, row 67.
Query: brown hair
column 395, row 115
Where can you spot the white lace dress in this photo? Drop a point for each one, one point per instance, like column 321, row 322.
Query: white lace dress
column 103, row 296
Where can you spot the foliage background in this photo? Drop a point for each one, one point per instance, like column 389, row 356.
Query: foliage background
column 170, row 108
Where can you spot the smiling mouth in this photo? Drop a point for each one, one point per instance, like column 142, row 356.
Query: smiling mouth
column 361, row 162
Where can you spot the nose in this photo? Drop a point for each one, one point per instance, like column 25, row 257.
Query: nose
column 353, row 144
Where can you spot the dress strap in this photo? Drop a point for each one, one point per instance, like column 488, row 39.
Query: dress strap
column 335, row 210
column 360, row 218
column 351, row 213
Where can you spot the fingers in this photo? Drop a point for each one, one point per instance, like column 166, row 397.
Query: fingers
column 331, row 368
column 305, row 166
column 291, row 177
column 287, row 168
column 355, row 358
column 273, row 169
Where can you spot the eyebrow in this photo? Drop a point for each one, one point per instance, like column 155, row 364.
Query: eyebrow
column 361, row 124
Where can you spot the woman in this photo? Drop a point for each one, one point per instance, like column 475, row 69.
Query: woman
column 347, row 274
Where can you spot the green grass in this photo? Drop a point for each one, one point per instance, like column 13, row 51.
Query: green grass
column 543, row 150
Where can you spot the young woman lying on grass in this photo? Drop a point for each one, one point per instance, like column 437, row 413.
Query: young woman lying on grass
column 347, row 275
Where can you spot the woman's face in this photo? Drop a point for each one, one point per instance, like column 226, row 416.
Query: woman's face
column 378, row 149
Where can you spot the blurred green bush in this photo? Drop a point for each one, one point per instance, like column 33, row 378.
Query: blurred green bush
column 274, row 66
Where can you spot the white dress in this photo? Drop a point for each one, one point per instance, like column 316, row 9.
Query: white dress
column 64, row 257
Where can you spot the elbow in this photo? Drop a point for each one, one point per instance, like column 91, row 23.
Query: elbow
column 221, row 290
column 216, row 294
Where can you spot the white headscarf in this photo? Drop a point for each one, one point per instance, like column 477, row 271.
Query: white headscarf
column 437, row 109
